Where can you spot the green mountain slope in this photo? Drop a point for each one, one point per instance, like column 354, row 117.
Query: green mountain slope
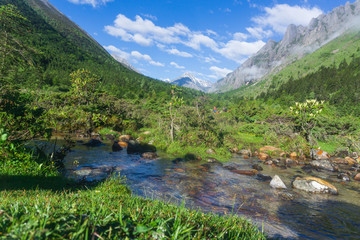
column 345, row 47
column 58, row 47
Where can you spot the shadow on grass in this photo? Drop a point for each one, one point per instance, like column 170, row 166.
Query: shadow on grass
column 24, row 182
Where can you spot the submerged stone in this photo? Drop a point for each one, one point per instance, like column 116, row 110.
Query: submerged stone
column 322, row 164
column 245, row 172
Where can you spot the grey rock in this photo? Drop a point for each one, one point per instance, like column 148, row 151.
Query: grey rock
column 314, row 185
column 322, row 164
column 276, row 182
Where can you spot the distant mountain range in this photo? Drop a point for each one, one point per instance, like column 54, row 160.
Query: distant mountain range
column 298, row 42
column 188, row 80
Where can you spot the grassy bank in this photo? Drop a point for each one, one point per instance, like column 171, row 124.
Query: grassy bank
column 38, row 204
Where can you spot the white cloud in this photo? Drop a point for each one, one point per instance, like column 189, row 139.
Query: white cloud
column 145, row 57
column 219, row 72
column 240, row 36
column 259, row 33
column 149, row 16
column 138, row 55
column 144, row 31
column 281, row 15
column 158, row 64
column 211, row 60
column 117, row 52
column 198, row 39
column 176, row 65
column 93, row 3
column 176, row 52
column 238, row 50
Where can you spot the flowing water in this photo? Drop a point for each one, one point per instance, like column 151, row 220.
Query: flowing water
column 285, row 214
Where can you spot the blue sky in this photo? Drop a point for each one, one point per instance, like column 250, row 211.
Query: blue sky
column 208, row 38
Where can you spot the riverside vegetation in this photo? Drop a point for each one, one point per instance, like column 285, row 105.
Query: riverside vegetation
column 79, row 93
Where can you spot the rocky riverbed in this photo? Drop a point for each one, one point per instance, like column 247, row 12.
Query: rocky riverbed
column 310, row 198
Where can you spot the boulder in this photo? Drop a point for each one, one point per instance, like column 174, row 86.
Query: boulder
column 350, row 161
column 123, row 144
column 251, row 172
column 125, row 138
column 293, row 155
column 136, row 147
column 146, row 132
column 357, row 177
column 245, row 152
column 116, row 147
column 149, row 155
column 322, row 164
column 339, row 161
column 317, row 154
column 314, row 185
column 93, row 143
column 290, row 161
column 263, row 156
column 276, row 182
column 257, row 167
column 263, row 177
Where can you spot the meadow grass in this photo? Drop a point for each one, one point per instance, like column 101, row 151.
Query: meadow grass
column 45, row 205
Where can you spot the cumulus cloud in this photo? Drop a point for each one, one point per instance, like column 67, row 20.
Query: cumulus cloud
column 239, row 50
column 259, row 33
column 219, row 72
column 93, row 3
column 146, row 58
column 117, row 53
column 240, row 36
column 281, row 15
column 176, row 52
column 176, row 65
column 146, row 33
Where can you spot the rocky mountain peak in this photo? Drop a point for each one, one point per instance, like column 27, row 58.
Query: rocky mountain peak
column 297, row 42
column 190, row 81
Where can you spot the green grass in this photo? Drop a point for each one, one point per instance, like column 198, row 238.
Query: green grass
column 40, row 204
column 110, row 211
column 329, row 147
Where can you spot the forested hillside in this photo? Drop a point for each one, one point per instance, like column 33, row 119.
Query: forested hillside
column 46, row 47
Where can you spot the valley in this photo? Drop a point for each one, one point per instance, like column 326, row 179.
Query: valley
column 92, row 148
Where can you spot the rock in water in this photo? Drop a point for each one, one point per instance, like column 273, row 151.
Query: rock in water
column 314, row 185
column 276, row 182
column 136, row 147
column 322, row 164
column 93, row 143
column 149, row 155
column 116, row 147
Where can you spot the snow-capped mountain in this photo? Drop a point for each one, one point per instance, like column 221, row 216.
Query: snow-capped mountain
column 188, row 80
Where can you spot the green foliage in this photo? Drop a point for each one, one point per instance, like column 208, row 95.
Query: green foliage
column 84, row 84
column 305, row 116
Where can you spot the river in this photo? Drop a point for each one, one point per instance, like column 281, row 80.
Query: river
column 284, row 214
